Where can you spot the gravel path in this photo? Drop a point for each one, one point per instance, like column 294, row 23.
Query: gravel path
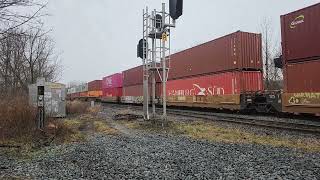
column 137, row 155
column 150, row 156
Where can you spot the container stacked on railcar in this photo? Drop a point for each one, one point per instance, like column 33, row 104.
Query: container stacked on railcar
column 217, row 73
column 112, row 88
column 133, row 86
column 94, row 89
column 301, row 58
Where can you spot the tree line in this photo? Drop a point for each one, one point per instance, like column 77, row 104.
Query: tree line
column 26, row 49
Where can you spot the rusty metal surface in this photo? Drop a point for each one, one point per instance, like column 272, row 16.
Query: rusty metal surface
column 239, row 50
column 301, row 34
column 302, row 77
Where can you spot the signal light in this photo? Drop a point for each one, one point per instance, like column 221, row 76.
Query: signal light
column 278, row 62
column 142, row 49
column 176, row 7
column 158, row 21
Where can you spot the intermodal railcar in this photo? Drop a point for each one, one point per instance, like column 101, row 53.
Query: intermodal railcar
column 227, row 73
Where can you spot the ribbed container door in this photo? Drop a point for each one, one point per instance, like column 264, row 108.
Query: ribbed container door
column 302, row 77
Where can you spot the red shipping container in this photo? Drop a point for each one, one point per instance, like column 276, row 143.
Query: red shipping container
column 112, row 92
column 95, row 85
column 301, row 34
column 302, row 77
column 137, row 90
column 113, row 81
column 236, row 51
column 229, row 83
column 133, row 76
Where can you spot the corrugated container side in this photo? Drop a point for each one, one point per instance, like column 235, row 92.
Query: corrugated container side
column 133, row 76
column 250, row 51
column 95, row 85
column 113, row 81
column 302, row 77
column 230, row 83
column 236, row 51
column 137, row 90
column 112, row 92
column 300, row 32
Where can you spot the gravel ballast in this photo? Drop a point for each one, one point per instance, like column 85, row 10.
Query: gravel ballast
column 152, row 156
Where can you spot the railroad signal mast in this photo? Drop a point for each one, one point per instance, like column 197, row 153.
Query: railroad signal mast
column 40, row 103
column 156, row 58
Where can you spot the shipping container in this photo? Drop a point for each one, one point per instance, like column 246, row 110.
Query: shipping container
column 228, row 83
column 220, row 91
column 132, row 77
column 137, row 90
column 54, row 98
column 236, row 51
column 112, row 92
column 95, row 85
column 301, row 34
column 94, row 93
column 302, row 77
column 113, row 81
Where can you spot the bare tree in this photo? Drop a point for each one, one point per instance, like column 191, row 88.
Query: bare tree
column 17, row 13
column 25, row 57
column 271, row 48
column 26, row 50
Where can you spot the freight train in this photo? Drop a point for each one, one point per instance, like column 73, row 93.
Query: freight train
column 227, row 73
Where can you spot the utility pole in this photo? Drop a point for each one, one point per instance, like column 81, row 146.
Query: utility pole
column 156, row 31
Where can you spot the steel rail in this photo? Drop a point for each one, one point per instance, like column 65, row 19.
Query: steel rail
column 302, row 127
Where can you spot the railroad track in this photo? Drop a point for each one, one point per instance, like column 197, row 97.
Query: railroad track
column 241, row 119
column 311, row 128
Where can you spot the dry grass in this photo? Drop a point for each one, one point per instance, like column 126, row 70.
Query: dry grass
column 17, row 118
column 104, row 128
column 94, row 110
column 209, row 131
column 77, row 107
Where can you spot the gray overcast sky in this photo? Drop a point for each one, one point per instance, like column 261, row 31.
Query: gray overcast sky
column 99, row 37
